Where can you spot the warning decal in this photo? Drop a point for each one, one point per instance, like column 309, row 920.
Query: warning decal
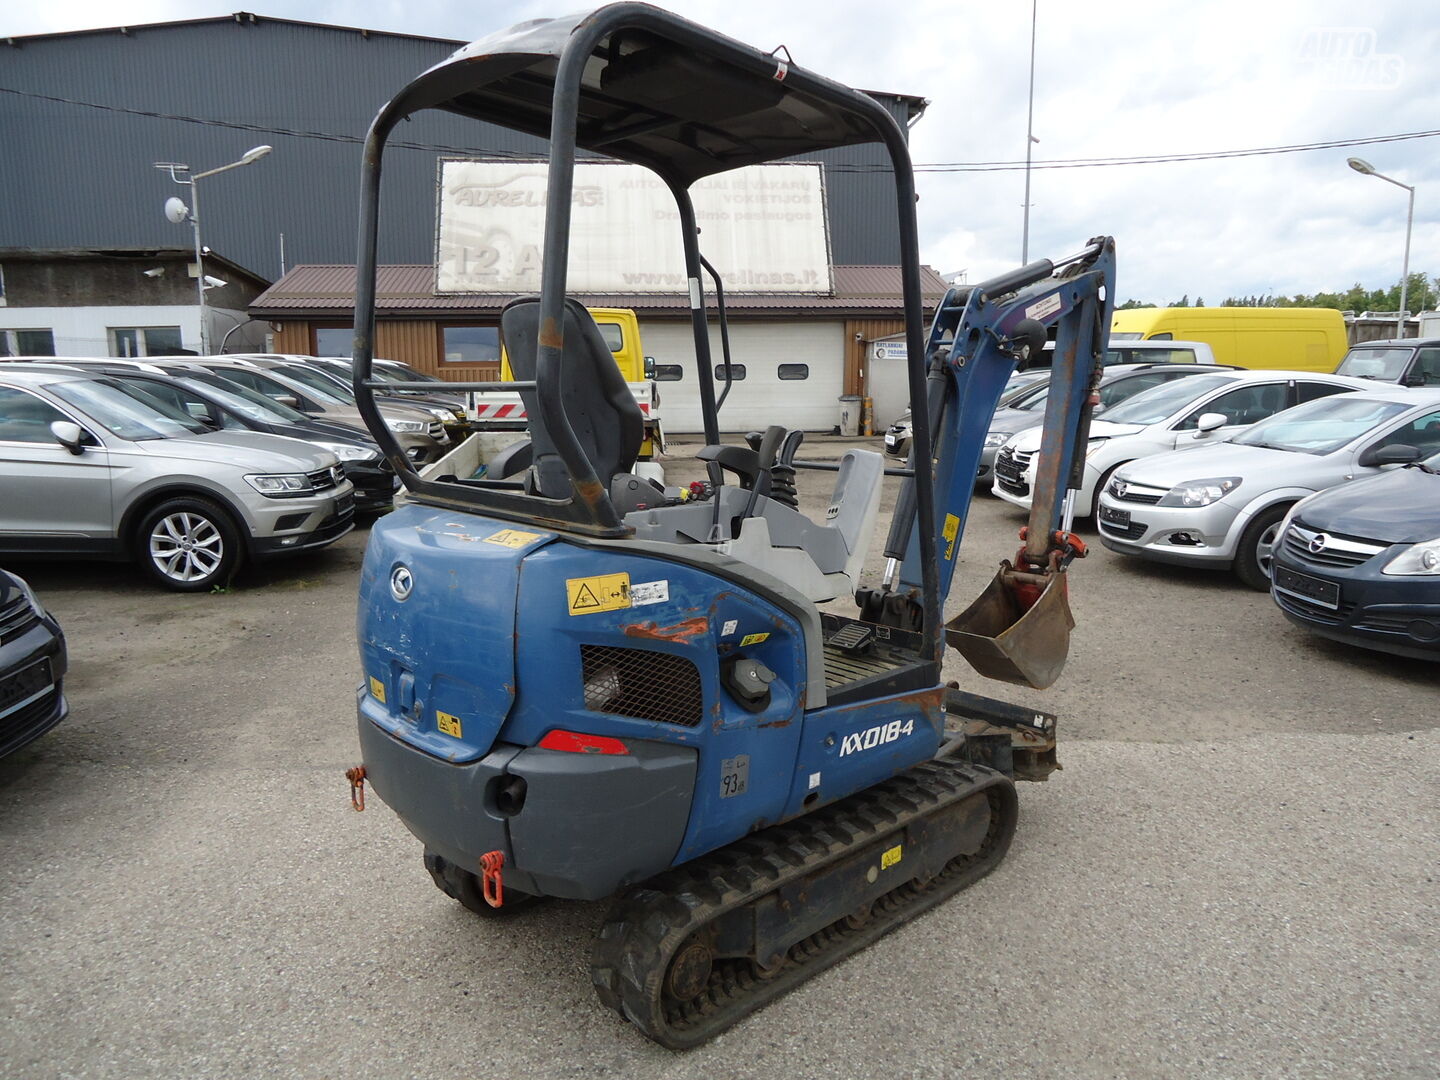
column 447, row 723
column 949, row 532
column 513, row 538
column 588, row 595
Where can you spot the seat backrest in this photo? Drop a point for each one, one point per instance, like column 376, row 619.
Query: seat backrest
column 593, row 396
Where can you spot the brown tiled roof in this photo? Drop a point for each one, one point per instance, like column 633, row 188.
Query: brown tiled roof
column 324, row 290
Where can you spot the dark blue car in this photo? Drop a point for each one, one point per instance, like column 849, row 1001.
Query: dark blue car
column 1360, row 563
column 32, row 666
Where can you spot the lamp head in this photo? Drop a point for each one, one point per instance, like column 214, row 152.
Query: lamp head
column 255, row 153
column 1360, row 165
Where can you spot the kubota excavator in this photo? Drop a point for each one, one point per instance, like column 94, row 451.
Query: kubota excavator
column 578, row 686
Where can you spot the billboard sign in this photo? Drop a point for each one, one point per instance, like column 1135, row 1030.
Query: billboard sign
column 762, row 227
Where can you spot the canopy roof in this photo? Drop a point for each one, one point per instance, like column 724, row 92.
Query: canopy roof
column 656, row 90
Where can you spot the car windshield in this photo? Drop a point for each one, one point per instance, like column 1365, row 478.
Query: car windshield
column 127, row 411
column 217, row 384
column 318, row 382
column 1153, row 405
column 1320, row 427
column 232, row 399
column 1387, row 365
column 1134, row 354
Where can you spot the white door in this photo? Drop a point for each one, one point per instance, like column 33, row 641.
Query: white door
column 793, row 374
column 889, row 389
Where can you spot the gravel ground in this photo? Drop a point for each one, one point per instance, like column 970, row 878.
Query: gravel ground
column 1234, row 875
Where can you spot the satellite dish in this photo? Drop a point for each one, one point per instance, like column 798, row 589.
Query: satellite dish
column 176, row 210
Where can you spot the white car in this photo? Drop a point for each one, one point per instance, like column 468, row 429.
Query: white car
column 1197, row 411
column 1222, row 506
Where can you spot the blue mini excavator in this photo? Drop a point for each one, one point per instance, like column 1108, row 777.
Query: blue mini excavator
column 578, row 684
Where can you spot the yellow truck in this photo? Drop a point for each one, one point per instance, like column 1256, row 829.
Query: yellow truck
column 1289, row 339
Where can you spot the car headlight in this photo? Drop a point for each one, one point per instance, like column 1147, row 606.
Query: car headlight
column 29, row 595
column 1095, row 444
column 997, row 438
column 1201, row 492
column 408, row 427
column 1418, row 560
column 1290, row 516
column 439, row 413
column 348, row 451
column 280, row 485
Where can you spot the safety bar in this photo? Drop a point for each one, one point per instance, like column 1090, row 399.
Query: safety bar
column 834, row 466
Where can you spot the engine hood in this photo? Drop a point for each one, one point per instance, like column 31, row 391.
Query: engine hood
column 245, row 449
column 1254, row 464
column 1400, row 506
column 1028, row 441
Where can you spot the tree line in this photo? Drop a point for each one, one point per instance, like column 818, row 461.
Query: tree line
column 1421, row 296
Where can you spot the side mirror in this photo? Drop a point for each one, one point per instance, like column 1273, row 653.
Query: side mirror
column 1414, row 378
column 68, row 434
column 1394, row 454
column 1208, row 422
column 649, row 367
column 1098, row 409
column 289, row 399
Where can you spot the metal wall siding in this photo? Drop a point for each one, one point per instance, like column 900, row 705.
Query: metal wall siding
column 81, row 177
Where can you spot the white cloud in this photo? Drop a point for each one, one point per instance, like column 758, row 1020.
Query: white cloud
column 1113, row 78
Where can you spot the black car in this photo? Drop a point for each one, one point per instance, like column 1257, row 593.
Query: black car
column 217, row 401
column 1360, row 563
column 32, row 666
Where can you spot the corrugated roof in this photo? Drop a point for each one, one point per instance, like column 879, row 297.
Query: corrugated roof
column 330, row 289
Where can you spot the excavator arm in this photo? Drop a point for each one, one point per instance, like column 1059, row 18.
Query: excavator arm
column 979, row 337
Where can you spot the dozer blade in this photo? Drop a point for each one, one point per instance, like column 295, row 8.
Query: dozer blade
column 1003, row 639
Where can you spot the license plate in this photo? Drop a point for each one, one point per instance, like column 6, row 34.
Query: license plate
column 1111, row 516
column 890, row 442
column 1324, row 593
column 25, row 684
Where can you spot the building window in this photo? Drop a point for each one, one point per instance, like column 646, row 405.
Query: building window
column 145, row 341
column 334, row 340
column 470, row 345
column 668, row 373
column 794, row 372
column 737, row 372
column 27, row 343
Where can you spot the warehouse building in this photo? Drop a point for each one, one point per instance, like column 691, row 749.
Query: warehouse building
column 88, row 115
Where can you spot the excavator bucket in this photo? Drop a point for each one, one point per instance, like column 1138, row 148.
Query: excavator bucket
column 1003, row 639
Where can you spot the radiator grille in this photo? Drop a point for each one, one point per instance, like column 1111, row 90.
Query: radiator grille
column 638, row 682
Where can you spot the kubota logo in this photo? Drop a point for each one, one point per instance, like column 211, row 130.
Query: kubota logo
column 875, row 736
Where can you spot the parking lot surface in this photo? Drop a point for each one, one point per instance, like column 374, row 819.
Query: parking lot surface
column 1234, row 874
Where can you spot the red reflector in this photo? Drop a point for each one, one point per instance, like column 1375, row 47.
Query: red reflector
column 573, row 742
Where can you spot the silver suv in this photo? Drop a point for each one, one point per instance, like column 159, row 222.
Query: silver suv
column 88, row 469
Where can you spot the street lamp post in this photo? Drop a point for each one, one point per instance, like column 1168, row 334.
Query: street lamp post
column 178, row 212
column 1363, row 167
column 1030, row 139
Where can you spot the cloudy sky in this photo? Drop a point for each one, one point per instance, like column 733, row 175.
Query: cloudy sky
column 1114, row 78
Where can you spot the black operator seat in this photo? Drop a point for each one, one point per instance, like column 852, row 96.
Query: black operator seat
column 593, row 396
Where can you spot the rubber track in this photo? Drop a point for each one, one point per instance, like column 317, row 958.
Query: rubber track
column 647, row 924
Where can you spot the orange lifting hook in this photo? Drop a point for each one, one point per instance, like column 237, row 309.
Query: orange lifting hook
column 492, row 885
column 356, row 776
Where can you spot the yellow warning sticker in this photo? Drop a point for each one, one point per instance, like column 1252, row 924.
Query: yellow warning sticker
column 588, row 595
column 448, row 724
column 377, row 690
column 949, row 532
column 513, row 538
column 753, row 639
column 891, row 857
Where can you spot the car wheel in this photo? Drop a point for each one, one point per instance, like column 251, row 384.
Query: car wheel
column 188, row 544
column 1257, row 542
